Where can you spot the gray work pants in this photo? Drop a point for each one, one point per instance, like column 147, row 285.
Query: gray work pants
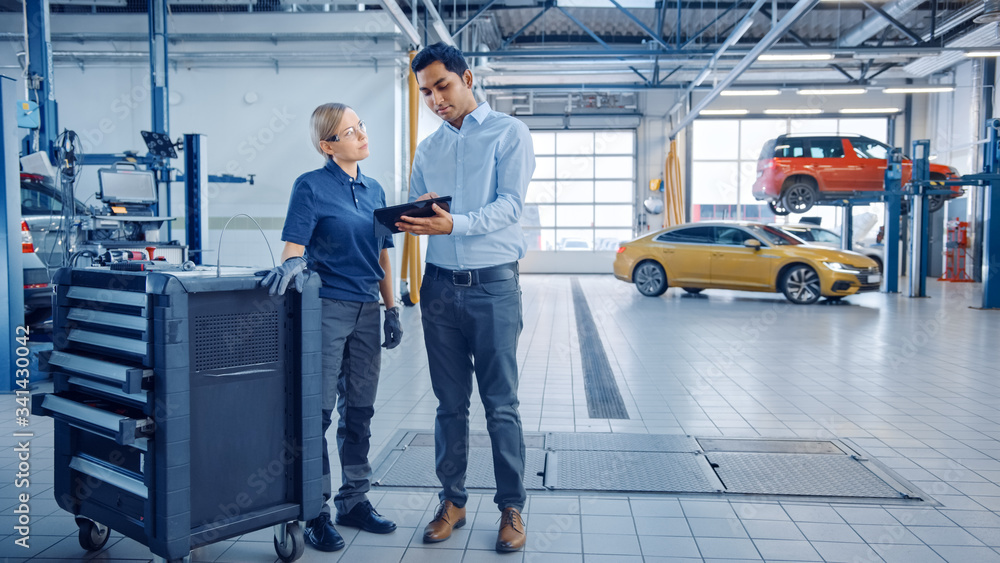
column 351, row 362
column 474, row 329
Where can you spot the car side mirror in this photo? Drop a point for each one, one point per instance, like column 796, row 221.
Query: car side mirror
column 752, row 243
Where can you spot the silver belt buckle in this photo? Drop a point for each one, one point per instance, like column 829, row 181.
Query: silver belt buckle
column 462, row 279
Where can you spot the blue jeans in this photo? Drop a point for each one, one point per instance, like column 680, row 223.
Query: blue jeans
column 474, row 329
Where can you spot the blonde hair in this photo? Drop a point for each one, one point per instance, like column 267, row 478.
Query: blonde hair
column 324, row 123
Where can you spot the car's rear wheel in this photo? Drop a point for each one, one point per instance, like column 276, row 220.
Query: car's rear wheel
column 650, row 279
column 800, row 285
column 777, row 208
column 936, row 202
column 694, row 290
column 799, row 197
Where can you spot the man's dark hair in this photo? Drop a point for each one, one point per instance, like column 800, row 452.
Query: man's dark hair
column 447, row 55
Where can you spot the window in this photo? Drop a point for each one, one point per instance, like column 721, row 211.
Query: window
column 689, row 235
column 790, row 148
column 581, row 196
column 822, row 235
column 730, row 236
column 867, row 148
column 826, row 148
column 36, row 201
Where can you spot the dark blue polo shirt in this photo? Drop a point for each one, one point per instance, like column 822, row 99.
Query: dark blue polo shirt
column 332, row 216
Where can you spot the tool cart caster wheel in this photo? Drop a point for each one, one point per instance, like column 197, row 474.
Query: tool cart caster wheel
column 93, row 535
column 294, row 545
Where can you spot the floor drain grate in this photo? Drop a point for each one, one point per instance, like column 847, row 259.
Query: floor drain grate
column 828, row 470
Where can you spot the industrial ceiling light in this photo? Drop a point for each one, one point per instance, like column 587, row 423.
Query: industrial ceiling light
column 796, row 57
column 982, row 53
column 725, row 111
column 831, row 91
column 919, row 90
column 793, row 111
column 771, row 92
column 870, row 110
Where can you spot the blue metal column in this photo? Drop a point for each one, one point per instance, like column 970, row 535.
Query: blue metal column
column 158, row 64
column 847, row 227
column 196, row 206
column 991, row 218
column 12, row 281
column 158, row 74
column 890, row 236
column 920, row 218
column 39, row 77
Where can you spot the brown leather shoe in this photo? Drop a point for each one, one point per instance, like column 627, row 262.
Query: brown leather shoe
column 447, row 518
column 512, row 533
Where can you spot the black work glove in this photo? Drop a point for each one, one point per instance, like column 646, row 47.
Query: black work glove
column 291, row 270
column 393, row 332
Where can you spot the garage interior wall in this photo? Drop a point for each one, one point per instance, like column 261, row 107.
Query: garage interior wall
column 256, row 119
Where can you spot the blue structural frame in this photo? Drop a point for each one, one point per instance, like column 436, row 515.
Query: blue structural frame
column 12, row 280
column 920, row 218
column 40, row 84
column 893, row 211
column 991, row 216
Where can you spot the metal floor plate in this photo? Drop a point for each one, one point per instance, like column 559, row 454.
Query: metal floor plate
column 820, row 475
column 623, row 442
column 825, row 470
column 758, row 445
column 415, row 468
column 629, row 471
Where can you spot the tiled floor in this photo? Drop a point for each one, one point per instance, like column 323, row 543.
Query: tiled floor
column 915, row 382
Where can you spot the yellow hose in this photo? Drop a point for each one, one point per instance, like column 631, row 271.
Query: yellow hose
column 673, row 192
column 410, row 268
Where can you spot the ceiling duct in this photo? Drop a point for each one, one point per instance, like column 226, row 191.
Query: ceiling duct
column 991, row 12
column 876, row 23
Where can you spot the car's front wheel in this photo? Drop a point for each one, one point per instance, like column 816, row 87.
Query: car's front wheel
column 650, row 279
column 799, row 197
column 800, row 285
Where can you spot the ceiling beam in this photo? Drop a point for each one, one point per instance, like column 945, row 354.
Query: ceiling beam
column 893, row 21
column 582, row 26
column 437, row 24
column 399, row 18
column 474, row 17
column 638, row 22
column 876, row 23
column 765, row 43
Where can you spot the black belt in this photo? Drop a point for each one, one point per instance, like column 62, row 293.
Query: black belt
column 467, row 278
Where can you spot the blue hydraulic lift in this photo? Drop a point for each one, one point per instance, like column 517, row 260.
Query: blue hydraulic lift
column 920, row 187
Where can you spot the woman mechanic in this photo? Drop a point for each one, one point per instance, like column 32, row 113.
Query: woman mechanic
column 330, row 220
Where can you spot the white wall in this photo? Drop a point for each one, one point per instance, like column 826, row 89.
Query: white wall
column 256, row 119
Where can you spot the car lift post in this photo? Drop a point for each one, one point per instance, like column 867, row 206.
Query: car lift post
column 919, row 219
column 847, row 226
column 990, row 179
column 893, row 211
column 12, row 280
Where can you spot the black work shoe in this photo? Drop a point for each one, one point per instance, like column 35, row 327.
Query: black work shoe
column 321, row 534
column 364, row 516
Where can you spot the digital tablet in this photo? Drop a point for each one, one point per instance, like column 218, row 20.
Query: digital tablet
column 387, row 217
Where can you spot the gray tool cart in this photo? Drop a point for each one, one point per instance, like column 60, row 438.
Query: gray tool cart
column 186, row 405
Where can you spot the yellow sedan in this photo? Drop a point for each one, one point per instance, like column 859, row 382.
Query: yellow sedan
column 744, row 256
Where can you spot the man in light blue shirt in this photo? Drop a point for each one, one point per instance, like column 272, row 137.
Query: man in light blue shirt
column 470, row 300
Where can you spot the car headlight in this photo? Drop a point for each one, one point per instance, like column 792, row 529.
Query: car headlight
column 838, row 267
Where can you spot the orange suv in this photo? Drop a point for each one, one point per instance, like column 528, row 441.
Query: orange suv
column 794, row 172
